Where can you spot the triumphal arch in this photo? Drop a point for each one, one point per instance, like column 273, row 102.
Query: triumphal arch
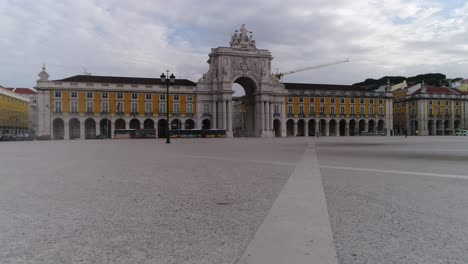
column 261, row 110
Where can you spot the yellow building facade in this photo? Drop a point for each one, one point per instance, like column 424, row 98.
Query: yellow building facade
column 428, row 110
column 14, row 113
column 85, row 106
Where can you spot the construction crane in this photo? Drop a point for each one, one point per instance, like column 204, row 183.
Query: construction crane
column 281, row 74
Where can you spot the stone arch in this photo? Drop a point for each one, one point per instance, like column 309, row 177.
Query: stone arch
column 311, row 125
column 447, row 127
column 332, row 128
column 456, row 124
column 247, row 106
column 430, row 127
column 439, row 127
column 58, row 128
column 90, row 128
column 206, row 124
column 176, row 124
column 290, row 128
column 362, row 126
column 74, row 128
column 343, row 127
column 352, row 127
column 120, row 124
column 189, row 124
column 301, row 128
column 381, row 125
column 106, row 127
column 134, row 124
column 162, row 128
column 323, row 127
column 277, row 127
column 148, row 124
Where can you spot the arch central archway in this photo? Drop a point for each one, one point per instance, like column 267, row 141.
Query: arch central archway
column 245, row 122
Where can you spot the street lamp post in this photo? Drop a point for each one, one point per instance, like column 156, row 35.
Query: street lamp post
column 168, row 80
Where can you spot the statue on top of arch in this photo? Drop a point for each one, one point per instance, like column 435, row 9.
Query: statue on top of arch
column 242, row 39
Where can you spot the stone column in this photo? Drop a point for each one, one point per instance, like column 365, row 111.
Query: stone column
column 229, row 109
column 327, row 128
column 295, row 128
column 317, row 127
column 66, row 132
column 270, row 116
column 82, row 129
column 98, row 128
column 347, row 128
column 215, row 115
column 306, row 128
column 261, row 106
column 337, row 129
column 366, row 125
column 283, row 120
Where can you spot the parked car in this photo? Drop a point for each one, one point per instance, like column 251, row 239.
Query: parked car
column 461, row 133
column 7, row 137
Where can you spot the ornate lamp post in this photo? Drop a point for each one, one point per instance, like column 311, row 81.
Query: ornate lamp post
column 168, row 80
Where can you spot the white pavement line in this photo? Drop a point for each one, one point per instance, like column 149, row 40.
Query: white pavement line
column 240, row 160
column 297, row 228
column 453, row 176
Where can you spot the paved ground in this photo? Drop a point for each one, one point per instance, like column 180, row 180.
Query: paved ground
column 393, row 200
column 138, row 201
column 390, row 199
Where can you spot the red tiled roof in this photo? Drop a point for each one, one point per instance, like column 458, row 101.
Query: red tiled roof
column 438, row 90
column 460, row 91
column 24, row 91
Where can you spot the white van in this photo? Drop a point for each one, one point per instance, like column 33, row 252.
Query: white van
column 461, row 133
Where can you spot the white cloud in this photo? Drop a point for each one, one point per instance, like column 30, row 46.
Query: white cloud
column 143, row 38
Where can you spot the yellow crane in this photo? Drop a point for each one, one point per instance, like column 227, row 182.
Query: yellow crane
column 281, row 74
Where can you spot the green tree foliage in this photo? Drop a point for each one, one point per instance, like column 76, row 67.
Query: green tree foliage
column 433, row 79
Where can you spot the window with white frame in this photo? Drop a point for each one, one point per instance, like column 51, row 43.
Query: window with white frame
column 290, row 109
column 89, row 95
column 438, row 111
column 322, row 100
column 332, row 110
column 430, row 102
column 446, row 111
column 148, row 96
column 58, row 107
column 371, row 101
column 119, row 95
column 380, row 101
column 176, row 108
column 301, row 99
column 322, row 109
column 413, row 112
column 290, row 99
column 457, row 103
column 371, row 110
column 176, row 97
column 362, row 111
column 457, row 111
column 74, row 107
column 276, row 109
column 430, row 111
column 380, row 110
column 332, row 100
column 342, row 100
column 89, row 107
column 134, row 96
column 162, row 97
column 105, row 95
column 148, row 108
column 352, row 100
column 438, row 102
column 352, row 110
column 311, row 99
column 105, row 107
column 190, row 108
column 361, row 101
column 120, row 107
column 162, row 108
column 301, row 109
column 206, row 108
column 58, row 94
column 134, row 107
column 311, row 109
column 74, row 95
column 342, row 110
column 189, row 98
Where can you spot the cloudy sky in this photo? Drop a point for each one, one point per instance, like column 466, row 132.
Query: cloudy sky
column 142, row 38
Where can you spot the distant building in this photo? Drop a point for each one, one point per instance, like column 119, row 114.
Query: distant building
column 429, row 110
column 33, row 108
column 14, row 113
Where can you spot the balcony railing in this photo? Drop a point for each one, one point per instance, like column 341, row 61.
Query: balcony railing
column 323, row 114
column 189, row 114
column 290, row 115
column 162, row 113
column 276, row 114
column 74, row 113
column 332, row 115
column 89, row 113
column 58, row 112
column 148, row 113
column 343, row 115
column 301, row 115
column 362, row 115
column 119, row 113
column 206, row 114
column 312, row 114
column 458, row 116
column 431, row 116
column 175, row 114
column 104, row 113
column 134, row 113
